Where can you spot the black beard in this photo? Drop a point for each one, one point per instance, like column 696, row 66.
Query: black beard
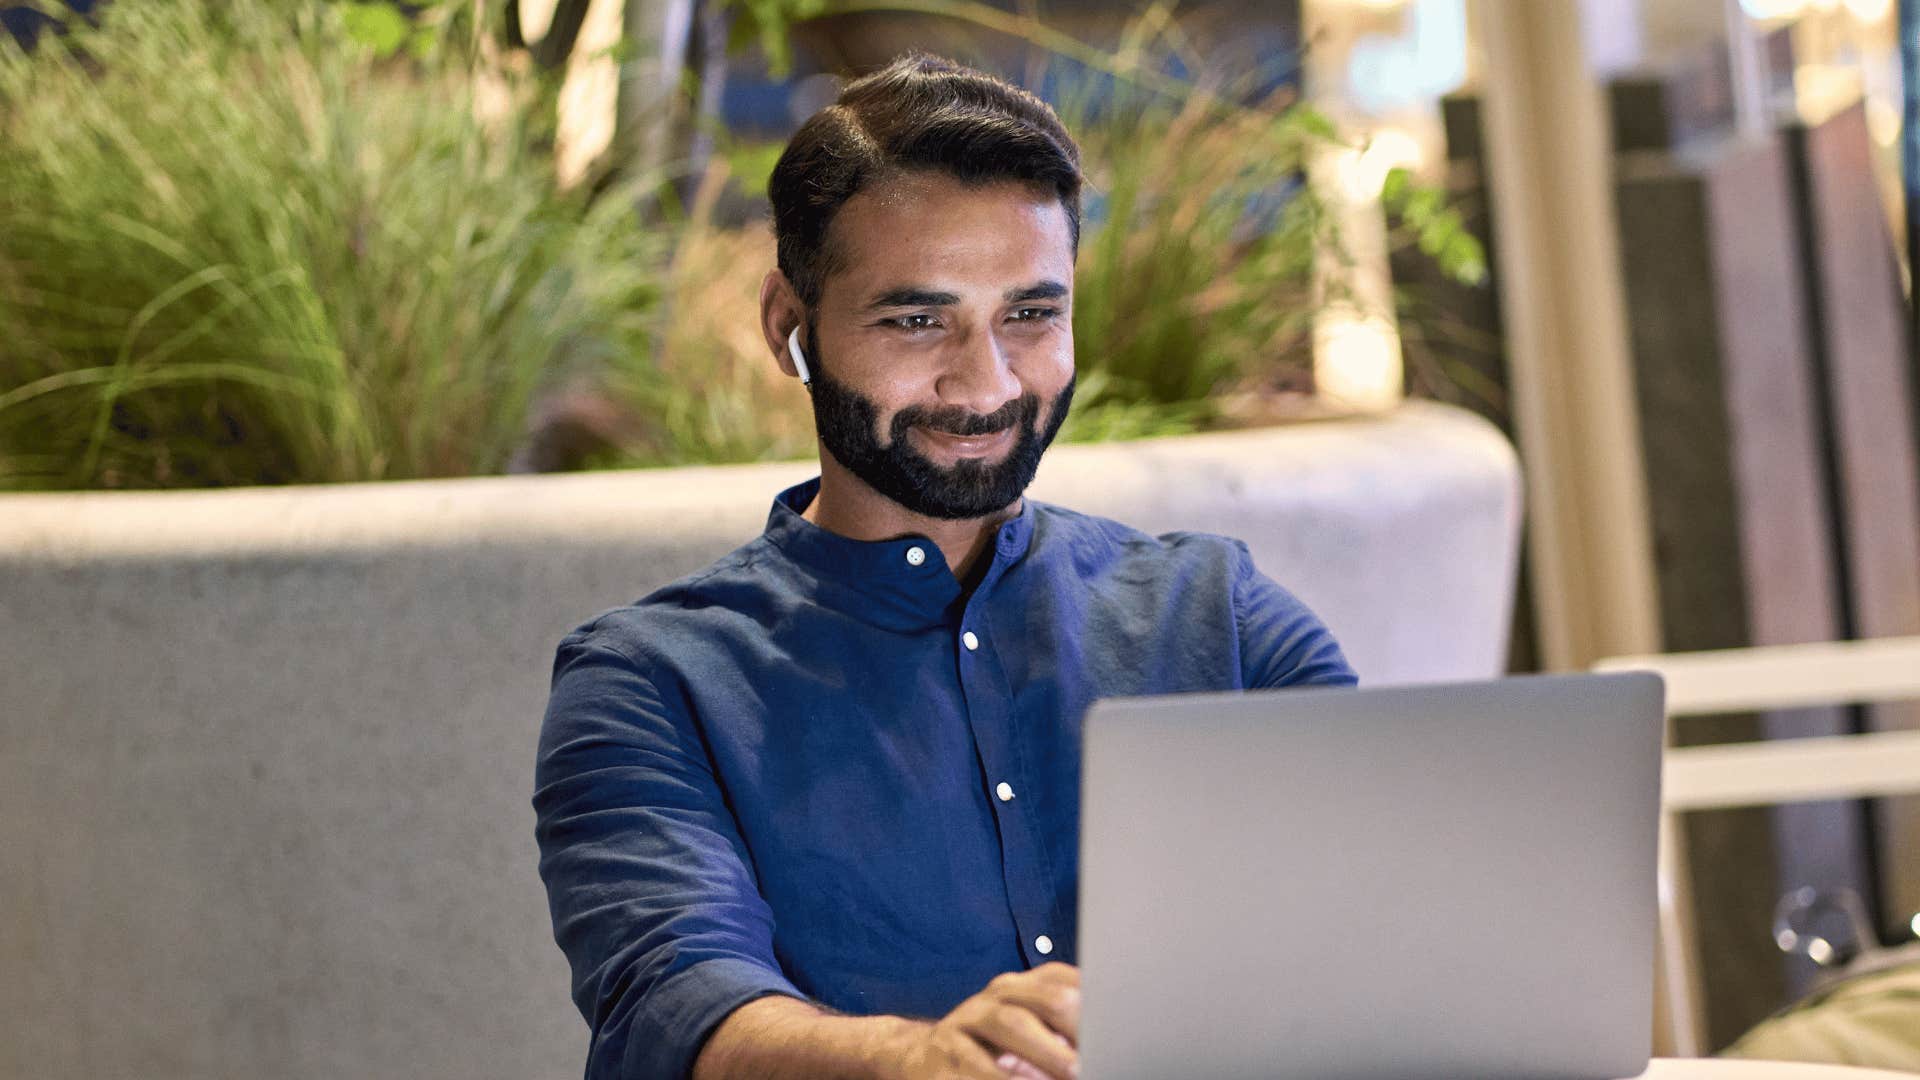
column 847, row 422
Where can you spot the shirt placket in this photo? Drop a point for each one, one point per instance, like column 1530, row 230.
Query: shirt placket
column 990, row 714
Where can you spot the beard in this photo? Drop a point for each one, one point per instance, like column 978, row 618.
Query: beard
column 848, row 424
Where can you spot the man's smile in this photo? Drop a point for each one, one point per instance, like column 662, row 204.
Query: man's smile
column 965, row 446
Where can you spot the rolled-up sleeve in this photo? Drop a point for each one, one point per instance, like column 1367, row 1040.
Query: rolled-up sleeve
column 649, row 884
column 1282, row 642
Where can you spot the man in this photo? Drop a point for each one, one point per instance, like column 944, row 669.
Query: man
column 814, row 810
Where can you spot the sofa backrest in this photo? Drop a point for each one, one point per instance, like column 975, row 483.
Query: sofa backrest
column 265, row 755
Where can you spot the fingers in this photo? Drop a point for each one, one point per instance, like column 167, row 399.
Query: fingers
column 1013, row 1028
column 1019, row 1068
column 1056, row 1001
column 1022, row 1025
column 957, row 1054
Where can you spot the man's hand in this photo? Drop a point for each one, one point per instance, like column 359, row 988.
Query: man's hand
column 1024, row 1024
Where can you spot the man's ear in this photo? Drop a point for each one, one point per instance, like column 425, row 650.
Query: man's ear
column 780, row 312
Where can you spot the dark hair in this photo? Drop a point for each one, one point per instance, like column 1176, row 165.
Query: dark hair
column 919, row 112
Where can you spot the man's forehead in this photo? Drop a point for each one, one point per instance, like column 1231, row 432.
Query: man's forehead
column 936, row 234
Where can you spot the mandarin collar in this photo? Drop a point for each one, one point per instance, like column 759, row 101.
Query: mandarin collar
column 886, row 568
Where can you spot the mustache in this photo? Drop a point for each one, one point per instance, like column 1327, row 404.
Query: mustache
column 963, row 423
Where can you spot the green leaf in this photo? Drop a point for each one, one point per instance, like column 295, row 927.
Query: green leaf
column 751, row 164
column 770, row 23
column 624, row 50
column 1424, row 204
column 741, row 32
column 1463, row 258
column 1311, row 121
column 1397, row 187
column 379, row 26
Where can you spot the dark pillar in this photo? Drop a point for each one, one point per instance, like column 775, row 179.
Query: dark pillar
column 1732, row 434
column 1452, row 342
column 1859, row 363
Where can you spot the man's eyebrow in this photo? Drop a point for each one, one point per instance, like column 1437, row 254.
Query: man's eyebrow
column 1045, row 290
column 913, row 296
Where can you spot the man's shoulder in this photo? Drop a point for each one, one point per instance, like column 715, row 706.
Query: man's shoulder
column 741, row 583
column 1115, row 543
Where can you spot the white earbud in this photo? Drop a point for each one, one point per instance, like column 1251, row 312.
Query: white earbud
column 799, row 358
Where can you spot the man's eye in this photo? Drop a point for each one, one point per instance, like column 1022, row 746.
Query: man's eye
column 913, row 322
column 1034, row 314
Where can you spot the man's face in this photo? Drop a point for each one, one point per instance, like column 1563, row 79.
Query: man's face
column 942, row 347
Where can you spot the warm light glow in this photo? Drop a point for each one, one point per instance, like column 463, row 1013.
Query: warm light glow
column 1870, row 11
column 1346, row 166
column 1821, row 90
column 1883, row 120
column 590, row 95
column 535, row 17
column 1363, row 171
column 1356, row 361
column 1915, row 924
column 1774, row 9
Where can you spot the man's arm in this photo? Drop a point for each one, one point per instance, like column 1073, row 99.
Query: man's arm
column 781, row 1038
column 1282, row 642
column 1022, row 1025
column 652, row 896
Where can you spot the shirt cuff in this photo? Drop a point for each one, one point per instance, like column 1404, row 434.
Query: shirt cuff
column 678, row 1015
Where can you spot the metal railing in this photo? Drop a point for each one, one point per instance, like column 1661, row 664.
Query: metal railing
column 1773, row 772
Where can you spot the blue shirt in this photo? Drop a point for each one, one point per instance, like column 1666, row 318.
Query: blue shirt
column 822, row 768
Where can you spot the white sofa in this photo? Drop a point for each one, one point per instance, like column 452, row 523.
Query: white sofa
column 265, row 755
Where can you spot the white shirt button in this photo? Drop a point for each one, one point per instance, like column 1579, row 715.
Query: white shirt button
column 916, row 555
column 1043, row 945
column 1005, row 791
column 969, row 641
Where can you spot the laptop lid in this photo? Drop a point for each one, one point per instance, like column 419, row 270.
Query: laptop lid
column 1408, row 882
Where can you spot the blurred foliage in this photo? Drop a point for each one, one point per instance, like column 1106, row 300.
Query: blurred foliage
column 1436, row 226
column 261, row 242
column 384, row 28
column 741, row 407
column 266, row 241
column 767, row 23
column 1197, row 267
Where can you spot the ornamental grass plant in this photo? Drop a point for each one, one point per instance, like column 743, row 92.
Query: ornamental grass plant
column 295, row 241
column 1196, row 276
column 241, row 244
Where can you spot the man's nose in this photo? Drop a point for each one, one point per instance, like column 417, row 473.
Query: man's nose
column 979, row 375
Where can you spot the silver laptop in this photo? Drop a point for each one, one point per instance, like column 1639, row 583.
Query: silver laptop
column 1447, row 881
